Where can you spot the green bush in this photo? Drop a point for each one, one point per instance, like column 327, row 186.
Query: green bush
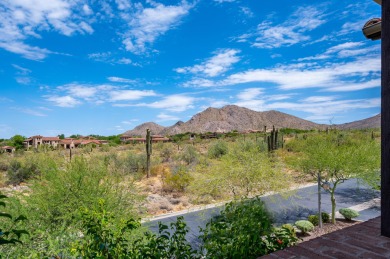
column 18, row 173
column 349, row 214
column 315, row 220
column 243, row 230
column 217, row 149
column 325, row 217
column 178, row 180
column 304, row 225
column 189, row 155
column 280, row 238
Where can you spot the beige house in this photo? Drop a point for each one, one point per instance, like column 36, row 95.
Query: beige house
column 7, row 149
column 67, row 143
column 36, row 141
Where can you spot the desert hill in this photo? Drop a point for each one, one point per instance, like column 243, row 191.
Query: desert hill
column 226, row 119
column 369, row 123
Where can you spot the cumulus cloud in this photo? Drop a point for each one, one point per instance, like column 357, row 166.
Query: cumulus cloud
column 148, row 24
column 221, row 62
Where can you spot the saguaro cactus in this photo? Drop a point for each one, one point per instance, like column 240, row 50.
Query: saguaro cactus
column 273, row 140
column 148, row 151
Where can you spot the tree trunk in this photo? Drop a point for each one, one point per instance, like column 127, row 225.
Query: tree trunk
column 333, row 200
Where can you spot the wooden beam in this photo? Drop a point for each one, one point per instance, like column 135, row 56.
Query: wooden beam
column 385, row 123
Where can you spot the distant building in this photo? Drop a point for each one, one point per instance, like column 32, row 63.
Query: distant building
column 36, row 141
column 67, row 143
column 7, row 149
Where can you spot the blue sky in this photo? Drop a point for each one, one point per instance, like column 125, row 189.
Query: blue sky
column 104, row 67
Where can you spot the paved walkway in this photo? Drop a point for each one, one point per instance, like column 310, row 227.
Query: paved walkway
column 358, row 241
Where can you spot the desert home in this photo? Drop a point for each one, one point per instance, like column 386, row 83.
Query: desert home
column 7, row 149
column 67, row 143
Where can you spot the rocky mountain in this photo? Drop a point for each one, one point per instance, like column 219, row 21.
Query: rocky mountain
column 226, row 119
column 369, row 123
column 141, row 129
column 232, row 117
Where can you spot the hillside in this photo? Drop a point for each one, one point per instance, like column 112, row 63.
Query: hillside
column 369, row 123
column 226, row 119
column 233, row 117
column 140, row 130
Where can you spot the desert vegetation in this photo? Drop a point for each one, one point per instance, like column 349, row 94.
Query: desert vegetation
column 77, row 205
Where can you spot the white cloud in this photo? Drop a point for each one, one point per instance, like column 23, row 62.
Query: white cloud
column 23, row 80
column 256, row 105
column 247, row 11
column 108, row 57
column 174, row 103
column 81, row 91
column 288, row 33
column 326, row 77
column 225, row 1
column 64, row 101
column 23, row 19
column 30, row 111
column 250, row 94
column 130, row 95
column 221, row 62
column 148, row 24
column 317, row 99
column 331, row 107
column 344, row 50
column 166, row 117
column 355, row 86
column 200, row 82
column 121, row 80
column 22, row 70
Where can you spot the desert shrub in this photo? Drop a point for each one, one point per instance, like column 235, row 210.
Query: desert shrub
column 178, row 179
column 18, row 173
column 217, row 149
column 304, row 226
column 237, row 231
column 349, row 214
column 166, row 153
column 189, row 155
column 135, row 163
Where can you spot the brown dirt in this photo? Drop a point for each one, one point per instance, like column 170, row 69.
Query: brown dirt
column 328, row 228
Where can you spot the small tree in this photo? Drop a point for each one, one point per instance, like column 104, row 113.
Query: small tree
column 337, row 158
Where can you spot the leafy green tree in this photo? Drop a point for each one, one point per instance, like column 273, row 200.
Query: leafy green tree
column 337, row 157
column 244, row 171
column 61, row 136
column 17, row 141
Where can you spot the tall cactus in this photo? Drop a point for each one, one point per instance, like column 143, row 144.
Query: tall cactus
column 273, row 140
column 148, row 151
